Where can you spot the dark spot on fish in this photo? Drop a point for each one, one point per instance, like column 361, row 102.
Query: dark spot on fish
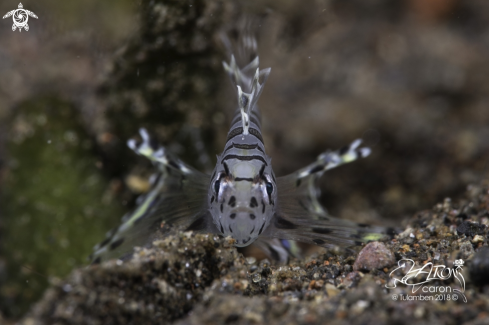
column 319, row 241
column 97, row 260
column 231, row 230
column 323, row 231
column 316, row 169
column 298, row 182
column 263, row 209
column 212, row 199
column 116, row 244
column 153, row 143
column 173, row 164
column 252, row 230
column 344, row 150
column 232, row 201
column 282, row 223
column 363, row 225
column 261, row 229
column 222, row 228
column 105, row 242
column 253, row 202
column 221, row 207
column 226, row 168
column 213, row 175
column 232, row 215
column 252, row 216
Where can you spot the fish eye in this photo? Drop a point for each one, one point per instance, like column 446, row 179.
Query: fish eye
column 269, row 188
column 217, row 185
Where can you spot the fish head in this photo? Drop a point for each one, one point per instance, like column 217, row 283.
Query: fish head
column 242, row 196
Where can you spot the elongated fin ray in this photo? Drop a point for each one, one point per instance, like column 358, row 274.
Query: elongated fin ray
column 298, row 192
column 327, row 232
column 178, row 197
column 301, row 217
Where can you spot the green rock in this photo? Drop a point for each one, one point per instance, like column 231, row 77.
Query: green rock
column 56, row 204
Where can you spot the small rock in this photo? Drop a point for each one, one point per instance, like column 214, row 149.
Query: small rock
column 468, row 228
column 478, row 239
column 331, row 290
column 352, row 279
column 374, row 256
column 479, row 268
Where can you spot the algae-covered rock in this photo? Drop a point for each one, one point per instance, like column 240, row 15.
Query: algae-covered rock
column 167, row 79
column 56, row 204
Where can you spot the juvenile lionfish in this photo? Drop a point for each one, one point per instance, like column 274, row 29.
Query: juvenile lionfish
column 242, row 198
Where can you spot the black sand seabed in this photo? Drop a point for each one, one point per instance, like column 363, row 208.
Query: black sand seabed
column 201, row 279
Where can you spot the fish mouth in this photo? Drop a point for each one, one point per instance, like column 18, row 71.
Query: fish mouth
column 244, row 242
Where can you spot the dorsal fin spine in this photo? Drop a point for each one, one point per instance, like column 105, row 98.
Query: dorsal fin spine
column 239, row 77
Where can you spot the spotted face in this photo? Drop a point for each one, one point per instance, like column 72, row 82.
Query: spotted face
column 242, row 198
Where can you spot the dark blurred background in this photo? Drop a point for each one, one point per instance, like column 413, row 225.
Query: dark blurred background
column 409, row 77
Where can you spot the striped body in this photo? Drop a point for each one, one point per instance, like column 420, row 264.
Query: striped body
column 242, row 198
column 242, row 194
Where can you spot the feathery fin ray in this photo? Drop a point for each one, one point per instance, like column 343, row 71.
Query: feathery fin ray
column 177, row 197
column 301, row 217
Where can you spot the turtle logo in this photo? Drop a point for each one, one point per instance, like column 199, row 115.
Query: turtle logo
column 20, row 17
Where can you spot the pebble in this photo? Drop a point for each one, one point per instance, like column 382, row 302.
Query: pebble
column 374, row 255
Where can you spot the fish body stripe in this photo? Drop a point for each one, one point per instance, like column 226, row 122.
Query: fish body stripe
column 245, row 157
column 239, row 130
column 244, row 147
